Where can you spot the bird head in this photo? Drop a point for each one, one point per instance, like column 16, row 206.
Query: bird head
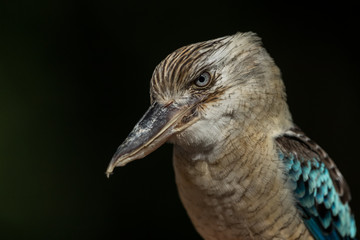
column 203, row 93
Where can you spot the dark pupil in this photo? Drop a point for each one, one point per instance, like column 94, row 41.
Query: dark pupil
column 201, row 79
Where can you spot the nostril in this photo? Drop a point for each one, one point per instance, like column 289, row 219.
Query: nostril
column 169, row 103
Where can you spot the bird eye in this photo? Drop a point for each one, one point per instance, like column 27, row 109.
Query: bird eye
column 203, row 80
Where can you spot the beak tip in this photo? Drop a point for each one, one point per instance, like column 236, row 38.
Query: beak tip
column 108, row 174
column 109, row 170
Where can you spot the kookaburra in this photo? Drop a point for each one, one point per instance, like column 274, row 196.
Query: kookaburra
column 243, row 169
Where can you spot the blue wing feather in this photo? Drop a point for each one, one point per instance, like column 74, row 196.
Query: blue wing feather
column 319, row 188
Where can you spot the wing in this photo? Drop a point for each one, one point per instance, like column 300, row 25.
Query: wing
column 321, row 191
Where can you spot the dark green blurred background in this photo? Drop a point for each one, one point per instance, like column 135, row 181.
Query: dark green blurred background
column 74, row 79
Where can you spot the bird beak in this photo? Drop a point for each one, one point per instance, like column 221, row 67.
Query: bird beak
column 158, row 124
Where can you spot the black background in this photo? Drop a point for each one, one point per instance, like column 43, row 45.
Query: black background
column 74, row 79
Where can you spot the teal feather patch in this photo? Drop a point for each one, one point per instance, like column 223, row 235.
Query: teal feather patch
column 321, row 192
